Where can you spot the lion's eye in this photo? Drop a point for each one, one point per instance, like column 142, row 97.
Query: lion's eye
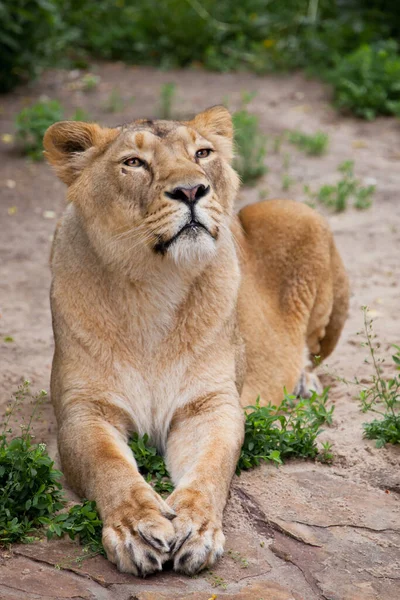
column 203, row 153
column 134, row 162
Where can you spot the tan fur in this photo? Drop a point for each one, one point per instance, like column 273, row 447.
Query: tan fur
column 160, row 337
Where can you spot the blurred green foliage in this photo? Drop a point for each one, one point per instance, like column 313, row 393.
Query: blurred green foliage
column 32, row 33
column 332, row 38
column 32, row 122
column 367, row 81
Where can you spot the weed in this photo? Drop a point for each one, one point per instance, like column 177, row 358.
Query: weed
column 250, row 143
column 31, row 495
column 277, row 143
column 82, row 521
column 217, row 581
column 381, row 396
column 8, row 339
column 274, row 433
column 238, row 558
column 89, row 82
column 32, row 122
column 167, row 96
column 115, row 102
column 151, row 464
column 80, row 115
column 366, row 81
column 287, row 181
column 312, row 144
column 325, row 454
column 348, row 188
column 30, row 488
column 263, row 194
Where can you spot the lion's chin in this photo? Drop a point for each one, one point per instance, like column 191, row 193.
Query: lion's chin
column 192, row 248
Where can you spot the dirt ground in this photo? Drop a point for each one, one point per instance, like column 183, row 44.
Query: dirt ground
column 304, row 531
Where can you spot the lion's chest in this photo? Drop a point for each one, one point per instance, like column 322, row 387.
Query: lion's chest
column 152, row 392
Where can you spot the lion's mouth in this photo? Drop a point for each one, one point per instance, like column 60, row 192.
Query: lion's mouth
column 192, row 228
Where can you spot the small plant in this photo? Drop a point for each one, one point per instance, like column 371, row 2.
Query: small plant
column 81, row 521
column 337, row 197
column 217, row 581
column 287, row 181
column 325, row 454
column 115, row 102
column 151, row 464
column 32, row 122
column 167, row 96
column 89, row 82
column 381, row 396
column 274, row 433
column 30, row 487
column 80, row 115
column 238, row 558
column 312, row 144
column 251, row 145
column 366, row 81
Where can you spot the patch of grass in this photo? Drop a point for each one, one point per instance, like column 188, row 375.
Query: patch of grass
column 238, row 558
column 167, row 96
column 379, row 395
column 366, row 81
column 31, row 497
column 89, row 82
column 151, row 464
column 115, row 102
column 275, row 433
column 217, row 581
column 82, row 521
column 250, row 144
column 32, row 122
column 287, row 182
column 338, row 196
column 312, row 144
column 30, row 487
column 325, row 454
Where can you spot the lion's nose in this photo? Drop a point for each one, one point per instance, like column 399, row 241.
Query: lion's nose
column 189, row 195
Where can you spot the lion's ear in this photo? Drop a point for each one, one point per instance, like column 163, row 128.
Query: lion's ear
column 216, row 120
column 69, row 144
column 216, row 123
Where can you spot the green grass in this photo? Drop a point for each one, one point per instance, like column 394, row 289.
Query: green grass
column 151, row 464
column 312, row 144
column 381, row 395
column 82, row 521
column 31, row 496
column 32, row 122
column 30, row 487
column 276, row 433
column 348, row 190
column 250, row 144
column 167, row 97
column 350, row 44
column 366, row 82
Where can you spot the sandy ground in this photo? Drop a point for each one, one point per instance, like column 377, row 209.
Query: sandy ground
column 304, row 531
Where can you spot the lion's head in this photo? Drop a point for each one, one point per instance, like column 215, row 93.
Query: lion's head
column 150, row 190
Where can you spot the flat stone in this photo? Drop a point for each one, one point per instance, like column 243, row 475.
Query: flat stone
column 327, row 525
column 21, row 578
column 263, row 590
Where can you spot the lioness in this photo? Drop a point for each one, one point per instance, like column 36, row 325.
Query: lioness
column 167, row 308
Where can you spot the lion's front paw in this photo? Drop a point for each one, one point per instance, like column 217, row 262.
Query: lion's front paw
column 199, row 540
column 138, row 535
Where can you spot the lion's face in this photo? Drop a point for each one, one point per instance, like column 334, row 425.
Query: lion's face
column 159, row 190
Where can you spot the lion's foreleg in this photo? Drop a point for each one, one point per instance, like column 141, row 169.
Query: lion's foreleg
column 202, row 452
column 97, row 461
